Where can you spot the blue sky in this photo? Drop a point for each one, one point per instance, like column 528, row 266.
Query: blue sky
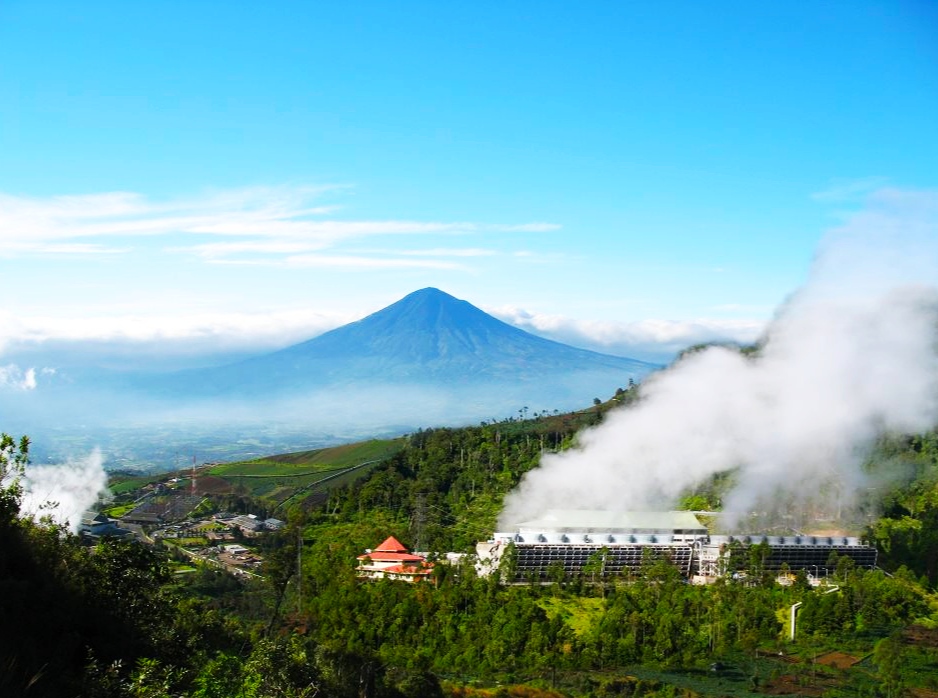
column 199, row 176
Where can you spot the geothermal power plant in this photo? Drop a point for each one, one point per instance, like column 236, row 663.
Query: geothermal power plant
column 623, row 540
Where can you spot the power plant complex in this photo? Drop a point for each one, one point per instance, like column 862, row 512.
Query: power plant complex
column 618, row 543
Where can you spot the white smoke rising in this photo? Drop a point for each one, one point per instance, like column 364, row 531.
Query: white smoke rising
column 64, row 491
column 851, row 355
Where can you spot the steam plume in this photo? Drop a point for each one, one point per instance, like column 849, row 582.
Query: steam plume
column 850, row 356
column 64, row 491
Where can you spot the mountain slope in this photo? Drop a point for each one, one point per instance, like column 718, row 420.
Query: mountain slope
column 428, row 337
column 427, row 360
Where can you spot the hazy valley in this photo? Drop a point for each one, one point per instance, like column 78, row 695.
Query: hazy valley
column 427, row 360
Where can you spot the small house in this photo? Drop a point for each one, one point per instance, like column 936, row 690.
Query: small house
column 391, row 560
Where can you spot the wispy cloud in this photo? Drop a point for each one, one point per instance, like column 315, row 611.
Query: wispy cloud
column 360, row 262
column 220, row 250
column 128, row 338
column 147, row 341
column 652, row 339
column 218, row 329
column 14, row 249
column 524, row 228
column 343, row 262
column 435, row 252
column 840, row 191
column 17, row 378
column 261, row 225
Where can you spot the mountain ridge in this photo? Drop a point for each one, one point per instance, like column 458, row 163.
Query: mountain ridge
column 426, row 337
column 427, row 359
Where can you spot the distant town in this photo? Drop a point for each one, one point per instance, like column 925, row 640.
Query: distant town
column 168, row 511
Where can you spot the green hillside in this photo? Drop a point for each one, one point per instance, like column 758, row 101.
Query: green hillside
column 307, row 479
column 293, row 478
column 321, row 459
column 115, row 622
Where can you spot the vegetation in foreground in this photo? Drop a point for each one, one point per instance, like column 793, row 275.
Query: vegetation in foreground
column 113, row 620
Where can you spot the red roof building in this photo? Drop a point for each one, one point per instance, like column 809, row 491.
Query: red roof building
column 391, row 560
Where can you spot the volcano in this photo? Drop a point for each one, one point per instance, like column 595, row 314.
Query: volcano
column 428, row 360
column 428, row 338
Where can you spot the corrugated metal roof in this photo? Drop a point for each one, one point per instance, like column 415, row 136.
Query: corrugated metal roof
column 623, row 521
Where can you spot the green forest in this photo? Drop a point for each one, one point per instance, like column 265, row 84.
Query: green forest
column 115, row 620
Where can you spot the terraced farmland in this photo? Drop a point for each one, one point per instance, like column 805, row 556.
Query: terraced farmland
column 294, row 477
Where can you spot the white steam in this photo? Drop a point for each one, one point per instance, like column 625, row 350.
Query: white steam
column 64, row 491
column 853, row 354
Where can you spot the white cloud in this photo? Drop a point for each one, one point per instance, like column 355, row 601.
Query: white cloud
column 141, row 336
column 361, row 262
column 449, row 252
column 849, row 190
column 17, row 378
column 58, row 248
column 216, row 250
column 653, row 339
column 346, row 262
column 251, row 222
column 149, row 336
column 524, row 228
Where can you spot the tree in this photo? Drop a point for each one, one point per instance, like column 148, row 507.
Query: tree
column 596, row 567
column 758, row 554
column 508, row 565
column 281, row 561
column 555, row 572
column 13, row 459
column 887, row 656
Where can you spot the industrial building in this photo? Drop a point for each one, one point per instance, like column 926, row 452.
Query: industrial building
column 620, row 541
column 93, row 526
column 798, row 552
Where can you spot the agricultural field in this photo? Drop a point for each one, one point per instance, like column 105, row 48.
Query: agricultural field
column 324, row 459
column 293, row 477
column 121, row 483
column 115, row 512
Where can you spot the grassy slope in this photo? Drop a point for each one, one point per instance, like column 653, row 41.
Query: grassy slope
column 120, row 483
column 321, row 460
column 294, row 477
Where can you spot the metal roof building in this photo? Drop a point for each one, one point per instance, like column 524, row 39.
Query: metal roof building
column 561, row 526
column 620, row 542
column 798, row 552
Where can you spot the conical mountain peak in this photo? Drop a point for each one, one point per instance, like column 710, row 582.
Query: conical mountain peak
column 431, row 338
